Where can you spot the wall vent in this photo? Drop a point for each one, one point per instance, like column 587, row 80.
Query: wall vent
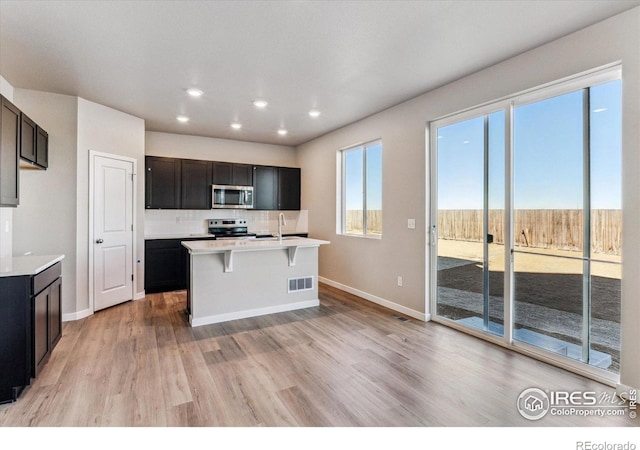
column 300, row 284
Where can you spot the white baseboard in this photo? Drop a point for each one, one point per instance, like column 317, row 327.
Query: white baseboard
column 139, row 295
column 380, row 301
column 76, row 315
column 252, row 313
column 622, row 390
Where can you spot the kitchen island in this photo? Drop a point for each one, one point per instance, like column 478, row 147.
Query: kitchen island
column 235, row 279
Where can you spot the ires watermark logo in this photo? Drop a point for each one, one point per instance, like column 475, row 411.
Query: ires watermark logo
column 534, row 403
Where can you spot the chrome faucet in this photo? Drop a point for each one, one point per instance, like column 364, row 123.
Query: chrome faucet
column 281, row 222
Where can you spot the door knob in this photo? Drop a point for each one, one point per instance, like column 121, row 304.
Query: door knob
column 99, row 241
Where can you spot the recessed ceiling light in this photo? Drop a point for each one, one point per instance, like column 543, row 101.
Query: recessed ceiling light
column 282, row 132
column 236, row 125
column 194, row 92
column 314, row 113
column 260, row 103
column 183, row 119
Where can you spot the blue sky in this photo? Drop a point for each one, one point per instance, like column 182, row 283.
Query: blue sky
column 548, row 155
column 354, row 174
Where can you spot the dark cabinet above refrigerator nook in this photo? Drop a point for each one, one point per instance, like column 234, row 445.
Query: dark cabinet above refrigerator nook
column 175, row 183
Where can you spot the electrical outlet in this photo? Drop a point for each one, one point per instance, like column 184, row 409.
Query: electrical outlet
column 411, row 224
column 400, row 281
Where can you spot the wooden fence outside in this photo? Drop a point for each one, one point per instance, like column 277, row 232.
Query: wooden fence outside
column 354, row 221
column 541, row 228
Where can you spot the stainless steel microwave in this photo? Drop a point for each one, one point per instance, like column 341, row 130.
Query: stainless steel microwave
column 223, row 196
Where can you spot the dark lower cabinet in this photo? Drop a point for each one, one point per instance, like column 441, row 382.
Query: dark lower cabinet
column 47, row 324
column 30, row 327
column 166, row 264
column 163, row 269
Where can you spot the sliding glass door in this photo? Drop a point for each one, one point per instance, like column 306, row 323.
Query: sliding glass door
column 567, row 223
column 470, row 214
column 526, row 220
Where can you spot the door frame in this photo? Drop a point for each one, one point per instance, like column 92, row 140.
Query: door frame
column 92, row 156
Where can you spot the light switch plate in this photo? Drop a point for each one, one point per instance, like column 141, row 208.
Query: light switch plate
column 411, row 223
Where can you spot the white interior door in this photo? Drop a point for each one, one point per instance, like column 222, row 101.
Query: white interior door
column 112, row 232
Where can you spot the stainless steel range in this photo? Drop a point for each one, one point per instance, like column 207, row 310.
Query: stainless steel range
column 230, row 229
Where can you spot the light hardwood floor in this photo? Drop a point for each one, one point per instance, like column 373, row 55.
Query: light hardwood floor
column 346, row 363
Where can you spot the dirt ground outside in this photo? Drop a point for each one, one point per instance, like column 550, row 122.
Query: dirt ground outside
column 548, row 292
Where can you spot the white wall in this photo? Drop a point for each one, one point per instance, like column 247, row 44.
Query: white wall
column 212, row 149
column 106, row 130
column 44, row 222
column 372, row 266
column 6, row 214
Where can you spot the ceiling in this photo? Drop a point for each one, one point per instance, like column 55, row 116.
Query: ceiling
column 347, row 59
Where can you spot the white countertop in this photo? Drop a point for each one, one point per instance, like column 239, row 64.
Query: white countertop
column 178, row 236
column 219, row 246
column 27, row 265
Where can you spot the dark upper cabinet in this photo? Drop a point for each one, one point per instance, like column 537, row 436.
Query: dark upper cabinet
column 9, row 153
column 196, row 184
column 42, row 148
column 173, row 183
column 162, row 183
column 29, row 139
column 288, row 188
column 265, row 187
column 232, row 174
column 222, row 173
column 242, row 175
column 34, row 144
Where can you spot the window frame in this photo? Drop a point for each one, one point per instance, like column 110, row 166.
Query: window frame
column 341, row 223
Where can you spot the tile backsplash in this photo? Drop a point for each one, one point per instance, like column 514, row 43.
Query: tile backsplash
column 177, row 221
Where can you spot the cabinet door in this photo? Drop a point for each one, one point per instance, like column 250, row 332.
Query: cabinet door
column 28, row 142
column 15, row 336
column 42, row 148
column 265, row 187
column 162, row 183
column 40, row 330
column 242, row 175
column 9, row 153
column 288, row 188
column 55, row 313
column 164, row 268
column 196, row 184
column 222, row 173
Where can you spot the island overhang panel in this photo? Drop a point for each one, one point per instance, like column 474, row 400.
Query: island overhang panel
column 238, row 279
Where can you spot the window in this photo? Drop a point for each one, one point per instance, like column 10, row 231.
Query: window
column 361, row 190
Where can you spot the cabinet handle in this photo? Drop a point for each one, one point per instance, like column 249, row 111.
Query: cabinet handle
column 99, row 241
